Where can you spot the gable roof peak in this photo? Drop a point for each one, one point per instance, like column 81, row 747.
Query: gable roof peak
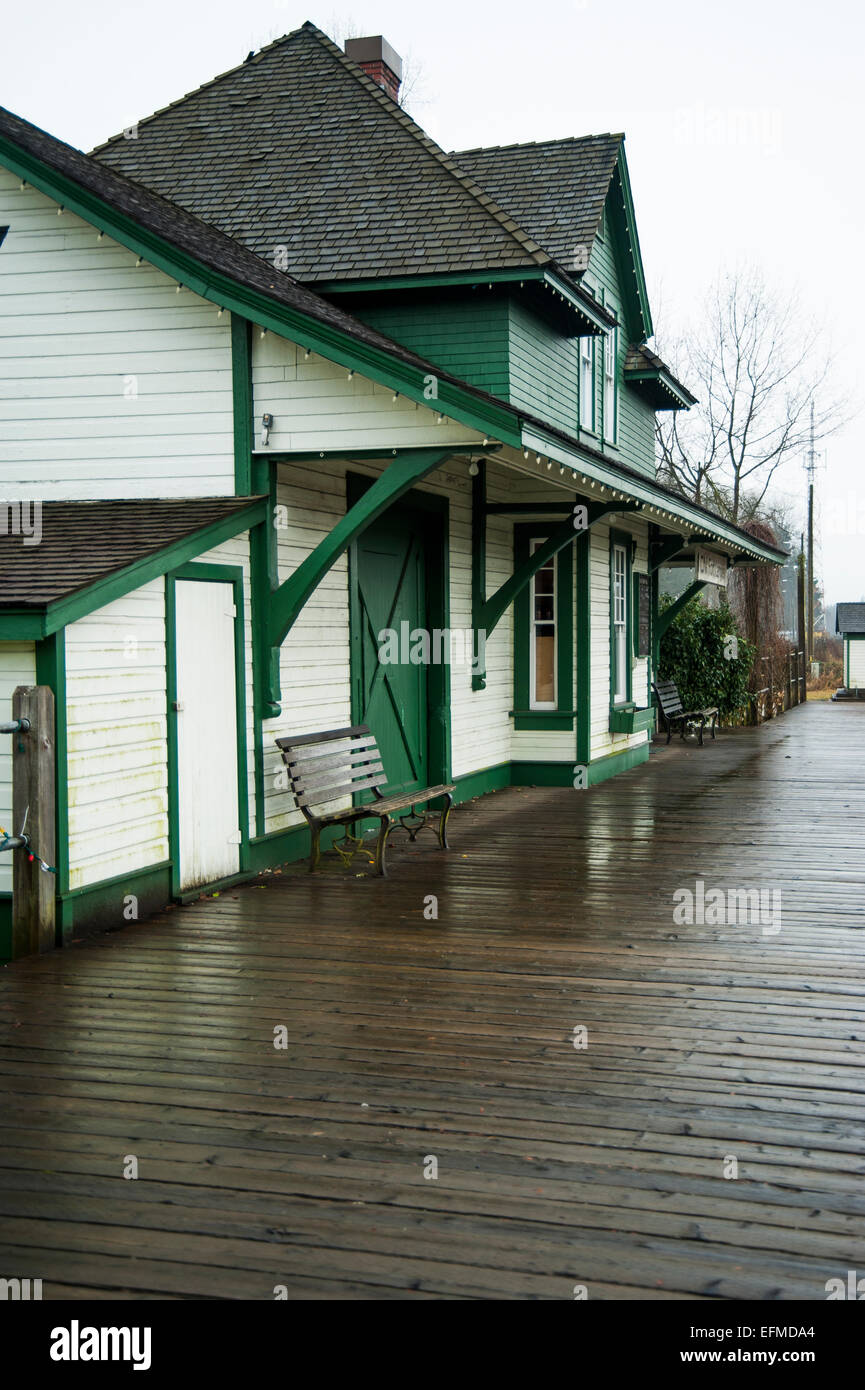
column 298, row 149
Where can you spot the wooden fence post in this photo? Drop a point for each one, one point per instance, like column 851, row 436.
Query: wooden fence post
column 33, row 888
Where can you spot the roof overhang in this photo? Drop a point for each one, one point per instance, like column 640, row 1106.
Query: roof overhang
column 660, row 388
column 590, row 315
column 670, row 513
column 32, row 621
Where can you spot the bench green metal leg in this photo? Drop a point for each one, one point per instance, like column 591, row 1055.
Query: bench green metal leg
column 443, row 821
column 385, row 828
column 314, row 849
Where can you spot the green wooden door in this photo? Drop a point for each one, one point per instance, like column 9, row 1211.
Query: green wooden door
column 389, row 593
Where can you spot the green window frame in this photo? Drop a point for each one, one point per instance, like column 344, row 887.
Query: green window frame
column 562, row 714
column 621, row 619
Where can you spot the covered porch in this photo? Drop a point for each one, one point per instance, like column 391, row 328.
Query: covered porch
column 411, row 1038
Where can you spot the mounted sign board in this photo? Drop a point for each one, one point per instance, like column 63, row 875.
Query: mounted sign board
column 642, row 602
column 710, row 568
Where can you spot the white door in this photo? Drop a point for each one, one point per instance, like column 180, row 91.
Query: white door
column 208, row 831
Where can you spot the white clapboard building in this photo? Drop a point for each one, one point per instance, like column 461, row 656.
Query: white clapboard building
column 282, row 376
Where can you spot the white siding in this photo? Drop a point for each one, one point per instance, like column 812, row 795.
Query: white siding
column 316, row 405
column 81, row 326
column 17, row 667
column 116, row 730
column 856, row 664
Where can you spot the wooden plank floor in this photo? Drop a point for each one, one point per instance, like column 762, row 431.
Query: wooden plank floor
column 453, row 1039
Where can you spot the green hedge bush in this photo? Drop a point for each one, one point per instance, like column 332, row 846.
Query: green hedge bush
column 705, row 654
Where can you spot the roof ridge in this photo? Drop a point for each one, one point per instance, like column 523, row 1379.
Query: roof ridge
column 523, row 240
column 194, row 91
column 540, row 144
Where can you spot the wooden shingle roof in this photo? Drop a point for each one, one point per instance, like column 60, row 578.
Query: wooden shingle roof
column 302, row 158
column 84, row 542
column 850, row 617
column 555, row 189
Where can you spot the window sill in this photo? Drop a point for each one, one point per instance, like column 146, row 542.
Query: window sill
column 550, row 720
column 628, row 719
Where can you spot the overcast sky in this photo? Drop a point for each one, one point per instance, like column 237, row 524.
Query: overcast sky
column 743, row 124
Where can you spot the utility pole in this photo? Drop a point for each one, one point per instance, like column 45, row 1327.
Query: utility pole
column 810, row 466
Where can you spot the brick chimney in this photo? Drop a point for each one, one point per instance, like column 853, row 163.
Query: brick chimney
column 378, row 61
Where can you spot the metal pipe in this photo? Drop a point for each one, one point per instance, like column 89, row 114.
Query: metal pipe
column 15, row 726
column 15, row 842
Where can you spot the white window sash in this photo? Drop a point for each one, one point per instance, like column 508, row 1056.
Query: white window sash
column 533, row 626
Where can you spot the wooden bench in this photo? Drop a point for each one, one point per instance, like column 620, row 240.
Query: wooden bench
column 675, row 715
column 321, row 774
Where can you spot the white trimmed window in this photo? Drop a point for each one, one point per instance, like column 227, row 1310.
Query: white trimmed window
column 620, row 625
column 587, row 383
column 610, row 386
column 542, row 655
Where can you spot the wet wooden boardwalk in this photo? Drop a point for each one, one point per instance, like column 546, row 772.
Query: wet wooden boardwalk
column 410, row 1040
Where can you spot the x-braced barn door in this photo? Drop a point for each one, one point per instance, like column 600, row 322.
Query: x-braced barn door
column 389, row 595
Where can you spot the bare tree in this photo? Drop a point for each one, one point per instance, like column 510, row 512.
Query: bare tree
column 756, row 367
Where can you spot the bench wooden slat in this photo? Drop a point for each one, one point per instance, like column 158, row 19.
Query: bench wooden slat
column 321, row 789
column 355, row 755
column 316, row 798
column 297, row 740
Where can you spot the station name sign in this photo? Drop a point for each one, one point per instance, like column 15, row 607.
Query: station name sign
column 710, row 568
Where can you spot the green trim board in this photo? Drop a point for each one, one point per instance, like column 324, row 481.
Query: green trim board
column 334, row 343
column 562, row 717
column 625, row 230
column 40, row 623
column 220, row 574
column 614, row 763
column 102, row 904
column 242, row 400
column 264, row 579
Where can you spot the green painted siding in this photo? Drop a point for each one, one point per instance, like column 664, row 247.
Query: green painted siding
column 543, row 367
column 466, row 334
column 509, row 344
